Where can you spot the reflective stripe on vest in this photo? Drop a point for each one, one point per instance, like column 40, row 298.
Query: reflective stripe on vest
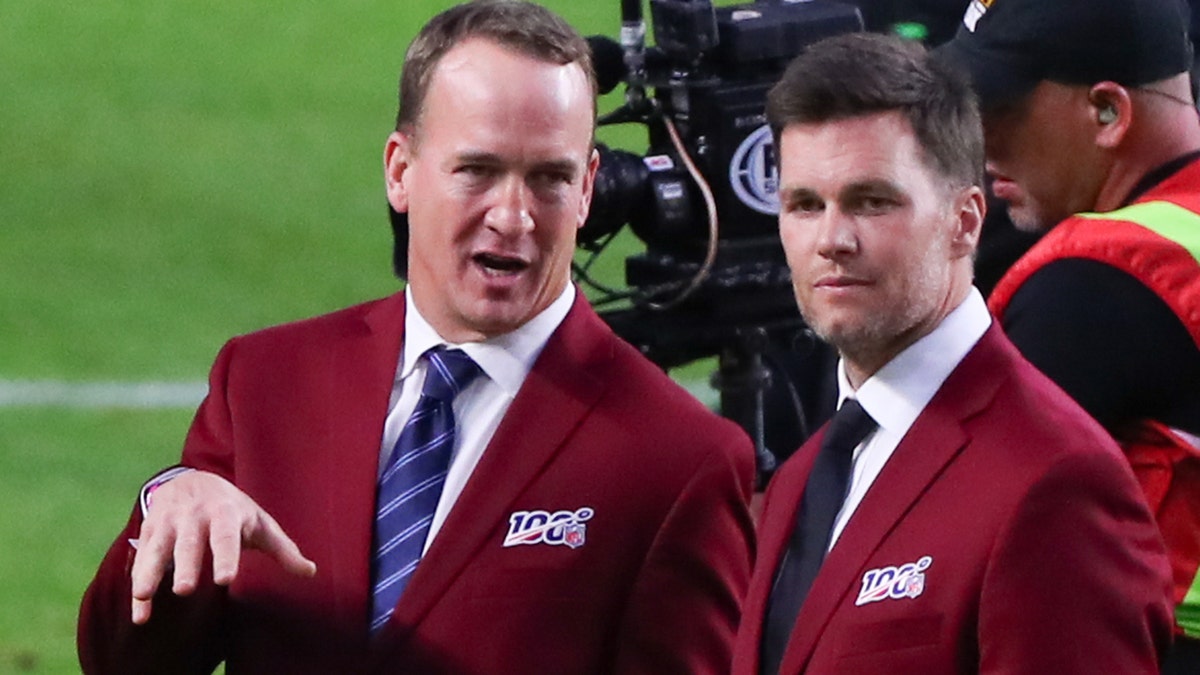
column 1165, row 219
column 1187, row 614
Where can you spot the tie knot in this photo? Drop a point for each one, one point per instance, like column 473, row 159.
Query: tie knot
column 449, row 372
column 849, row 427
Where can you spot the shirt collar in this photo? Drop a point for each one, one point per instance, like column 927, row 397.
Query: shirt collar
column 897, row 393
column 1160, row 174
column 506, row 359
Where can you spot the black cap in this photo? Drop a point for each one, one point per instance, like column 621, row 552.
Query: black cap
column 1008, row 46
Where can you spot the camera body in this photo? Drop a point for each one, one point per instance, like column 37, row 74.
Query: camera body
column 709, row 75
column 713, row 280
column 711, row 71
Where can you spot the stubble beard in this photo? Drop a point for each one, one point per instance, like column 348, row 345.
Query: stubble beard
column 1032, row 215
column 860, row 342
column 1026, row 219
column 877, row 337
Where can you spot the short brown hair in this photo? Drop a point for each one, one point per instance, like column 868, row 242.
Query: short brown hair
column 522, row 26
column 864, row 73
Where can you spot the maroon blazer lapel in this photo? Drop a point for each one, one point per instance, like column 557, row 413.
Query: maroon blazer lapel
column 934, row 440
column 359, row 373
column 780, row 508
column 565, row 383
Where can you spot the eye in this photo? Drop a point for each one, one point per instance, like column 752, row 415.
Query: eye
column 803, row 204
column 869, row 204
column 551, row 186
column 474, row 170
column 552, row 178
column 475, row 176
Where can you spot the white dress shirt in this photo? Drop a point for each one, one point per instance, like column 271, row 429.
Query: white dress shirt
column 478, row 409
column 897, row 393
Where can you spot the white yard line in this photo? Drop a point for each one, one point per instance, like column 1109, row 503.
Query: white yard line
column 135, row 395
column 152, row 395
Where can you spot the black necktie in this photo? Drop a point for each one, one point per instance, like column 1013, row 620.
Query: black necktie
column 822, row 500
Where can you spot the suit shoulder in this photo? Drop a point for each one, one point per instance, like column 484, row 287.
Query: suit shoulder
column 1034, row 418
column 659, row 407
column 345, row 321
column 642, row 383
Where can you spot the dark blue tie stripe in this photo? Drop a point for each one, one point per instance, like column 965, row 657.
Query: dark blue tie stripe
column 403, row 536
column 410, row 487
column 406, row 496
column 395, row 578
column 420, row 460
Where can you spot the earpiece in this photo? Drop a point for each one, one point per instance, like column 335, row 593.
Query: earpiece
column 1107, row 114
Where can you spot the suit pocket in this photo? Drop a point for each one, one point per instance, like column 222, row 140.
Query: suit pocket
column 546, row 583
column 891, row 636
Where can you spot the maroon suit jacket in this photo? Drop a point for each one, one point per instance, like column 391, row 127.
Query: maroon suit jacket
column 294, row 417
column 1031, row 548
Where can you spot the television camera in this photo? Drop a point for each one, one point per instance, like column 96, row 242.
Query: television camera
column 713, row 280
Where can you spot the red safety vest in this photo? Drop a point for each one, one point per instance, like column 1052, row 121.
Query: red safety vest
column 1158, row 242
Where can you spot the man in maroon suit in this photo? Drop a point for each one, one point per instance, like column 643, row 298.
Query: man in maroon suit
column 592, row 517
column 979, row 521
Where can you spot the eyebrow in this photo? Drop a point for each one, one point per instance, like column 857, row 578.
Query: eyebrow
column 870, row 186
column 866, row 186
column 791, row 194
column 490, row 158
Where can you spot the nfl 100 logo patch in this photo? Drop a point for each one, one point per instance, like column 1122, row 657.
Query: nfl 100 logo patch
column 896, row 583
column 560, row 528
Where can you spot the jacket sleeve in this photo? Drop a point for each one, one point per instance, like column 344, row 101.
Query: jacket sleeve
column 184, row 634
column 686, row 603
column 1082, row 544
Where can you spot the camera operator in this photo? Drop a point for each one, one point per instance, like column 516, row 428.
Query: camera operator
column 1088, row 110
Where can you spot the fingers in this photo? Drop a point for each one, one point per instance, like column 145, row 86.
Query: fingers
column 141, row 611
column 161, row 546
column 225, row 541
column 193, row 516
column 189, row 552
column 272, row 540
column 149, row 564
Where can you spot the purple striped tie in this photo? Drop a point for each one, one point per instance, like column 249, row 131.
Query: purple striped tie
column 412, row 483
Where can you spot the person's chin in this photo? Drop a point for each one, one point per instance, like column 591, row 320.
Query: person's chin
column 1027, row 219
column 1025, row 214
column 837, row 328
column 501, row 310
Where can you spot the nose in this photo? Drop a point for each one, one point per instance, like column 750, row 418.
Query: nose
column 509, row 214
column 836, row 235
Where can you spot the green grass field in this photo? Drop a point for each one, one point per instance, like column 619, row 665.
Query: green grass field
column 173, row 173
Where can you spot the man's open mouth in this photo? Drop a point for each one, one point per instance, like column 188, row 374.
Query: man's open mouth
column 499, row 264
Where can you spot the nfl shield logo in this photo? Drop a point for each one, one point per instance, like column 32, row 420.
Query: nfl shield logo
column 915, row 585
column 573, row 534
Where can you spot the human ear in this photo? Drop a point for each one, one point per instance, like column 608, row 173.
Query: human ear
column 1111, row 110
column 589, row 183
column 970, row 209
column 397, row 157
